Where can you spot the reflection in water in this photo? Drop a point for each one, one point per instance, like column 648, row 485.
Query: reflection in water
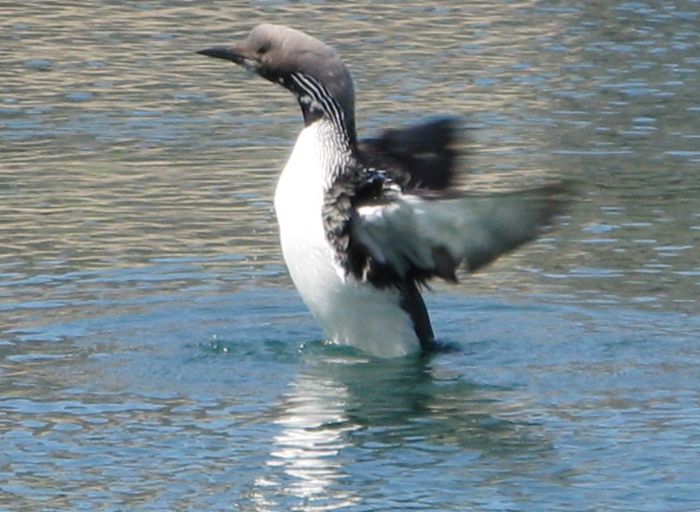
column 314, row 427
column 342, row 418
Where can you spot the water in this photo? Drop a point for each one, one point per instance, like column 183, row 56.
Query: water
column 154, row 355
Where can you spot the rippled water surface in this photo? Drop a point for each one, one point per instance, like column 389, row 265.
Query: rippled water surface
column 154, row 355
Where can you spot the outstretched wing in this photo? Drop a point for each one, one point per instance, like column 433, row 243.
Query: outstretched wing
column 422, row 156
column 418, row 238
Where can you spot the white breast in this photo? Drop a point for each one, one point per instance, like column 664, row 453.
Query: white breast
column 350, row 312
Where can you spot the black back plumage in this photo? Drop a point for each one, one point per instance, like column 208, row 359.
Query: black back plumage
column 422, row 156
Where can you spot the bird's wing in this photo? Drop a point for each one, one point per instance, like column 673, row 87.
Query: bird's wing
column 422, row 156
column 418, row 238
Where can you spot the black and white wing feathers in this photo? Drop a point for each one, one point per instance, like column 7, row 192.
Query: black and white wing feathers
column 422, row 156
column 419, row 238
column 407, row 222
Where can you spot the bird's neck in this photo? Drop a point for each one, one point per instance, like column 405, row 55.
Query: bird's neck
column 336, row 149
column 341, row 124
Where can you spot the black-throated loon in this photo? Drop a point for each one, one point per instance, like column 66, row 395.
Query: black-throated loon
column 364, row 224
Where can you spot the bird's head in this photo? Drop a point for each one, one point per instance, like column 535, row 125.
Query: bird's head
column 309, row 68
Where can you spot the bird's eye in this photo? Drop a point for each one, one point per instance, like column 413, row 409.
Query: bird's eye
column 263, row 48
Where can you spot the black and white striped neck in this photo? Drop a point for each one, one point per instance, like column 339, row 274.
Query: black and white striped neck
column 317, row 104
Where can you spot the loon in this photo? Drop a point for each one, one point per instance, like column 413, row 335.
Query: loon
column 364, row 224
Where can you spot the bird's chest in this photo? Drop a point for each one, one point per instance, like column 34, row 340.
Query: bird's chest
column 299, row 195
column 299, row 204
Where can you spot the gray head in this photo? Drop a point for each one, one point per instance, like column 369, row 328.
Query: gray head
column 309, row 68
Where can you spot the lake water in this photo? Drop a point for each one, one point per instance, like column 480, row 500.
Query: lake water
column 155, row 356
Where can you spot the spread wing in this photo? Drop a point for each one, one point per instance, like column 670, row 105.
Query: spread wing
column 422, row 156
column 419, row 238
column 407, row 222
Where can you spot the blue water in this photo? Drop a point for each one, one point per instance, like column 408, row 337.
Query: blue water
column 221, row 399
column 154, row 355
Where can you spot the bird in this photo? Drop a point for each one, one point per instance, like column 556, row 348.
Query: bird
column 365, row 224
